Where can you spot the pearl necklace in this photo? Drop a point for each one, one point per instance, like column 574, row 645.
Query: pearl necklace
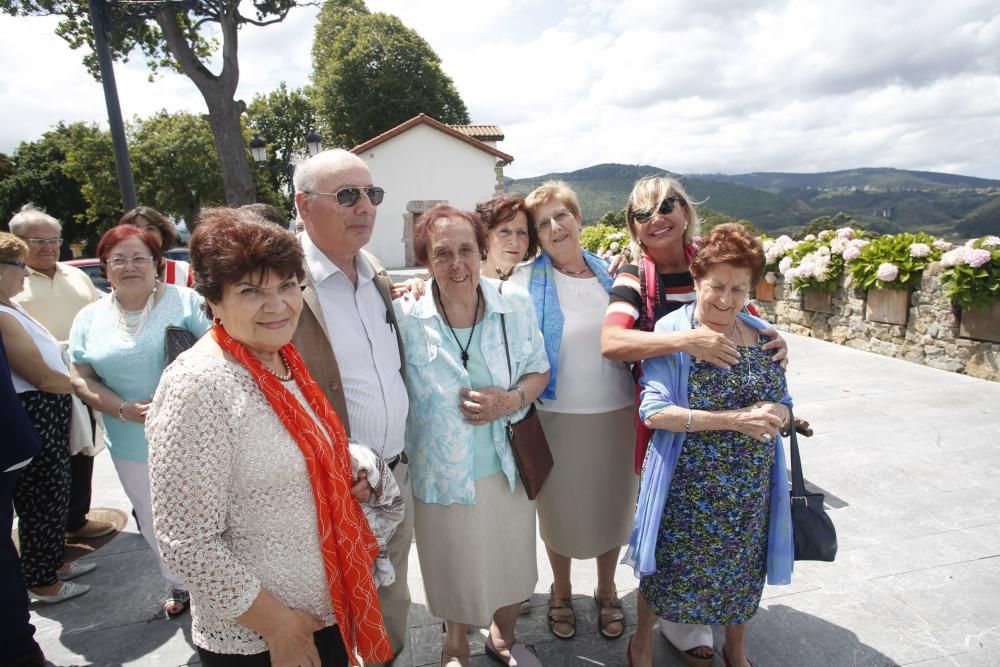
column 287, row 375
column 130, row 322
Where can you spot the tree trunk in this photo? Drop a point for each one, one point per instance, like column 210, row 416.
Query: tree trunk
column 218, row 92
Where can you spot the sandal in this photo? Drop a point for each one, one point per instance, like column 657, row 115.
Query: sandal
column 688, row 638
column 610, row 617
column 177, row 596
column 561, row 613
column 725, row 659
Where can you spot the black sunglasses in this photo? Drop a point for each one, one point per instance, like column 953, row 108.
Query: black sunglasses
column 18, row 263
column 666, row 208
column 349, row 196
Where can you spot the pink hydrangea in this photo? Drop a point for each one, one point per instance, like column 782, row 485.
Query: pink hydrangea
column 887, row 272
column 991, row 241
column 845, row 233
column 941, row 244
column 919, row 250
column 852, row 252
column 976, row 257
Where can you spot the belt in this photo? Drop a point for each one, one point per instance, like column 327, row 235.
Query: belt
column 396, row 460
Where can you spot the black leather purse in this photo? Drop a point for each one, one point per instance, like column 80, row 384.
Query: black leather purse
column 813, row 531
column 176, row 340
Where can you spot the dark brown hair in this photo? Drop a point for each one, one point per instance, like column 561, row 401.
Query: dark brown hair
column 230, row 243
column 729, row 243
column 503, row 208
column 425, row 225
column 116, row 235
column 155, row 219
column 268, row 212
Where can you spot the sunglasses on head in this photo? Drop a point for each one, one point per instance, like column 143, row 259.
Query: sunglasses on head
column 349, row 196
column 666, row 208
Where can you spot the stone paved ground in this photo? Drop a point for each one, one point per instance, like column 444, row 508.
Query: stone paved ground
column 909, row 457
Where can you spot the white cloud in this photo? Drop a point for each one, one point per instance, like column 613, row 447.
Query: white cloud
column 689, row 85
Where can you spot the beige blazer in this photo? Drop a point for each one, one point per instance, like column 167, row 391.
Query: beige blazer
column 312, row 340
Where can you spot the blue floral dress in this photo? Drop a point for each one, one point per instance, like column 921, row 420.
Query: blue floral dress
column 711, row 552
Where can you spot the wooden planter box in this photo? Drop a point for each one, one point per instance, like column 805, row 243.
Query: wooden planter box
column 817, row 300
column 981, row 324
column 764, row 291
column 891, row 306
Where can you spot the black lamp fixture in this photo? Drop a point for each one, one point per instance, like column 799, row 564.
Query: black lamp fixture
column 258, row 149
column 314, row 143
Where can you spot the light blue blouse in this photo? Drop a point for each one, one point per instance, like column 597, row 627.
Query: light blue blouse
column 132, row 368
column 439, row 442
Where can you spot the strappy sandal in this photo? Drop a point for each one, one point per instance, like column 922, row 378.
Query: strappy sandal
column 177, row 596
column 561, row 613
column 609, row 614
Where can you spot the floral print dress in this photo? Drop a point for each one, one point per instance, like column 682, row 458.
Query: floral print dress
column 711, row 552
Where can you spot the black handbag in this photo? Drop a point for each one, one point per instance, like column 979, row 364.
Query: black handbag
column 532, row 455
column 176, row 340
column 813, row 530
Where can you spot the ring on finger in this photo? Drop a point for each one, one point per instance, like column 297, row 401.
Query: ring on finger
column 765, row 438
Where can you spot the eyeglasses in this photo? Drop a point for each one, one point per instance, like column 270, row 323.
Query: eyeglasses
column 18, row 263
column 562, row 216
column 44, row 242
column 349, row 196
column 121, row 262
column 666, row 208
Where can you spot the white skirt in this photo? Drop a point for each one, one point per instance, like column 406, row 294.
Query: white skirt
column 587, row 504
column 477, row 558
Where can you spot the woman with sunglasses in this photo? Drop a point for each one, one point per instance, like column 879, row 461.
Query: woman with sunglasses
column 662, row 223
column 42, row 383
column 117, row 351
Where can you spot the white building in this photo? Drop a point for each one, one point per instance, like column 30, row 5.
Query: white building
column 423, row 162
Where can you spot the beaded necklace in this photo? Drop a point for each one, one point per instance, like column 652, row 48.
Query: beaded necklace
column 472, row 332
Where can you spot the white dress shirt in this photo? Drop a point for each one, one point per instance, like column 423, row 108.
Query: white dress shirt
column 366, row 349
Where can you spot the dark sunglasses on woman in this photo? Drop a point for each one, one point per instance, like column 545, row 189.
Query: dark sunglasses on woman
column 349, row 196
column 666, row 208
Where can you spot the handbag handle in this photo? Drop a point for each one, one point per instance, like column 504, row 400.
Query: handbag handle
column 798, row 482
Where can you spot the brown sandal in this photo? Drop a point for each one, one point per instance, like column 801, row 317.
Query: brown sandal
column 610, row 617
column 561, row 613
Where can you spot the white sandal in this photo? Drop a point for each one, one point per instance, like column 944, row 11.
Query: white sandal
column 685, row 638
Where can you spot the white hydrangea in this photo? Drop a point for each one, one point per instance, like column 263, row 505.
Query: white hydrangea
column 784, row 265
column 771, row 277
column 845, row 233
column 919, row 250
column 809, row 237
column 941, row 244
column 991, row 241
column 887, row 272
column 826, row 234
column 954, row 257
column 838, row 245
column 852, row 252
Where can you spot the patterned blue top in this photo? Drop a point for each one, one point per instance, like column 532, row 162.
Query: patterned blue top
column 132, row 368
column 439, row 442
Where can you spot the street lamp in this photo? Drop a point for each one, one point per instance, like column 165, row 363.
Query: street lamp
column 314, row 143
column 258, row 149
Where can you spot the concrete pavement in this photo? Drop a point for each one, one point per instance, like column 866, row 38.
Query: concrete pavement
column 909, row 457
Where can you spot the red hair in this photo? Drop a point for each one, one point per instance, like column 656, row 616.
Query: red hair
column 120, row 233
column 729, row 243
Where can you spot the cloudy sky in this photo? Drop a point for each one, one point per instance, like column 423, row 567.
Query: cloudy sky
column 694, row 86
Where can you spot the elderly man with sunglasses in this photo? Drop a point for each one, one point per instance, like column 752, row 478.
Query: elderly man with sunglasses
column 348, row 337
column 53, row 294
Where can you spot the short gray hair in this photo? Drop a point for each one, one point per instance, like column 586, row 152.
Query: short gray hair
column 308, row 170
column 29, row 215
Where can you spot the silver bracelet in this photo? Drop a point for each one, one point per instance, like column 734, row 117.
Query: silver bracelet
column 520, row 392
column 121, row 411
column 687, row 427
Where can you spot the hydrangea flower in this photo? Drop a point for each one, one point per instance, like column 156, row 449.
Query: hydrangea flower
column 991, row 241
column 845, row 233
column 785, row 265
column 887, row 272
column 852, row 252
column 977, row 257
column 838, row 245
column 614, row 247
column 941, row 244
column 809, row 237
column 825, row 234
column 954, row 257
column 919, row 250
column 771, row 277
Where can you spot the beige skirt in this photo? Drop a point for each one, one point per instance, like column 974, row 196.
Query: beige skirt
column 587, row 504
column 477, row 558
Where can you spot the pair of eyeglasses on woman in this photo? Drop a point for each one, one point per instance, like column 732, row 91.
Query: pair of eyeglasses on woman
column 666, row 208
column 349, row 196
column 121, row 262
column 18, row 263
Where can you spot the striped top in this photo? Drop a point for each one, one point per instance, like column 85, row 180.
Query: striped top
column 676, row 289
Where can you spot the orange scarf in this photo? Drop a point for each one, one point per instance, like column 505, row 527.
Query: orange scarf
column 349, row 548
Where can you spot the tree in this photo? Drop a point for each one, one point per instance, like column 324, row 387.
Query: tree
column 816, row 225
column 179, row 35
column 282, row 118
column 371, row 73
column 37, row 174
column 710, row 218
column 613, row 219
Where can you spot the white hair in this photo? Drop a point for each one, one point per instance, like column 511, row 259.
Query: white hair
column 308, row 170
column 31, row 215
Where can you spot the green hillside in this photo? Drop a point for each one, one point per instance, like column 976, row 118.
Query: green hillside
column 883, row 200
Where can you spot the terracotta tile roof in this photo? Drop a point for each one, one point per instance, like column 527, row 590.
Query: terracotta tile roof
column 437, row 125
column 481, row 132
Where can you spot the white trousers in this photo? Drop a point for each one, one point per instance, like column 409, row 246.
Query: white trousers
column 134, row 477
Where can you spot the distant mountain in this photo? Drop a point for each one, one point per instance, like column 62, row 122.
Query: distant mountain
column 884, row 200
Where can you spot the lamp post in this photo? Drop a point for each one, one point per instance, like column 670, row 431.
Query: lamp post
column 313, row 145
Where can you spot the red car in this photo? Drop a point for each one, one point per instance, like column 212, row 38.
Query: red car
column 92, row 267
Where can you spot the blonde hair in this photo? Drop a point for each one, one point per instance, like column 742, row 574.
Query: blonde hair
column 553, row 191
column 648, row 193
column 12, row 248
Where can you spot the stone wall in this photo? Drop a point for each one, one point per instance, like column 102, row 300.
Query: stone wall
column 931, row 335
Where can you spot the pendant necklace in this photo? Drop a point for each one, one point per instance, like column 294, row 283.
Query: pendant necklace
column 468, row 343
column 573, row 273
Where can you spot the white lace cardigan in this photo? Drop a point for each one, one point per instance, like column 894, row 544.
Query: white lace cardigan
column 232, row 502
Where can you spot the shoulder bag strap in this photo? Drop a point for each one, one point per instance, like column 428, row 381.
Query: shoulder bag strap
column 798, row 482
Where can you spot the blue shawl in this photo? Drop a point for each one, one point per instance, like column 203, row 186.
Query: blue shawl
column 550, row 317
column 665, row 383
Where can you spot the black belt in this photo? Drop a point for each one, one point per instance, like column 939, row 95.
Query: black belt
column 396, row 460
